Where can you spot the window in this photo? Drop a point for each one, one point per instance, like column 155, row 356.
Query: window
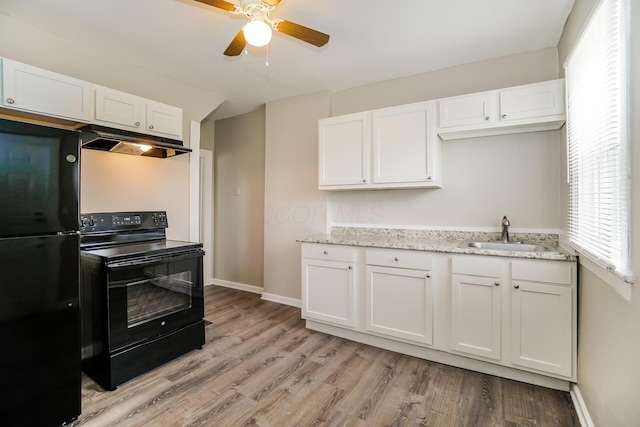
column 597, row 141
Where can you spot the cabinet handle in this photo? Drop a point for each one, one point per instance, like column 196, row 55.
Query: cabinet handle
column 137, row 123
column 515, row 285
column 10, row 101
column 487, row 118
column 364, row 180
column 325, row 252
column 150, row 126
column 496, row 283
column 429, row 178
column 428, row 276
column 350, row 267
column 504, row 116
column 396, row 259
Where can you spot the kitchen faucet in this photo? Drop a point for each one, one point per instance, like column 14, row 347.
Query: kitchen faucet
column 505, row 229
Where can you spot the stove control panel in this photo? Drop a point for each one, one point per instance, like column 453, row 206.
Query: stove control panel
column 160, row 219
column 122, row 221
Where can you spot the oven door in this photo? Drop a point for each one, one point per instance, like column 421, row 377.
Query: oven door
column 153, row 296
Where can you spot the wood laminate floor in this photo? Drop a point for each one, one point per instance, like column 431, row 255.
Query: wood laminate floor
column 261, row 367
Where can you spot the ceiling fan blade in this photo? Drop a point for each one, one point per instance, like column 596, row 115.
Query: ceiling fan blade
column 237, row 45
column 303, row 33
column 220, row 4
column 272, row 2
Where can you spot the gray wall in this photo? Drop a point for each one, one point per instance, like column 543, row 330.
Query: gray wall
column 609, row 325
column 293, row 205
column 239, row 173
column 484, row 178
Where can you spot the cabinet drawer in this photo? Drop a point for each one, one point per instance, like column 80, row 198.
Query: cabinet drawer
column 541, row 271
column 477, row 266
column 328, row 252
column 400, row 258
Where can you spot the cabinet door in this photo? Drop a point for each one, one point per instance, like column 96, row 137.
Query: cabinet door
column 469, row 110
column 530, row 101
column 476, row 315
column 541, row 326
column 328, row 292
column 400, row 303
column 120, row 109
column 343, row 150
column 164, row 120
column 403, row 143
column 40, row 91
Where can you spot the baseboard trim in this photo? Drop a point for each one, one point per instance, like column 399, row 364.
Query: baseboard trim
column 235, row 285
column 581, row 407
column 293, row 302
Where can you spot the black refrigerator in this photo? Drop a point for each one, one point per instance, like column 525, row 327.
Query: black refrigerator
column 39, row 275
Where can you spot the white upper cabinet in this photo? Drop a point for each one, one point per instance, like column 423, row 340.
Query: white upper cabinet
column 343, row 150
column 43, row 92
column 400, row 147
column 469, row 110
column 527, row 108
column 405, row 148
column 115, row 108
column 164, row 120
column 532, row 101
column 393, row 147
column 125, row 111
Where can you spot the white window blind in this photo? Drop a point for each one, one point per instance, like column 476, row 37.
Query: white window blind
column 597, row 142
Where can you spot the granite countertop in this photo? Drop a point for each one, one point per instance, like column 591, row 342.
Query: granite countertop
column 439, row 241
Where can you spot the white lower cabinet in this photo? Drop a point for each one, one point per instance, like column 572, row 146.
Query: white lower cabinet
column 510, row 316
column 476, row 315
column 399, row 300
column 542, row 303
column 476, row 306
column 328, row 284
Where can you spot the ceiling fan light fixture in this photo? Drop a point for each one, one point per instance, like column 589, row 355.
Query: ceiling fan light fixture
column 257, row 33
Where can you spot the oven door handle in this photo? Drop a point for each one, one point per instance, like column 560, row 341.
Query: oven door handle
column 149, row 260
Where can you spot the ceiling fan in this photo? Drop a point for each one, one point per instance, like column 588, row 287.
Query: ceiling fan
column 259, row 29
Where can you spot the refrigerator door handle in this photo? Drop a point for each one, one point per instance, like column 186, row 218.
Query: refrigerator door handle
column 68, row 233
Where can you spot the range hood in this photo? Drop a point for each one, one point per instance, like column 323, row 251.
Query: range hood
column 125, row 142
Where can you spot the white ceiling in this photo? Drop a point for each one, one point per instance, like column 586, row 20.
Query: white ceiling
column 371, row 40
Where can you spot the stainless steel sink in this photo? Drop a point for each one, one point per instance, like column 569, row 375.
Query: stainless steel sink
column 511, row 246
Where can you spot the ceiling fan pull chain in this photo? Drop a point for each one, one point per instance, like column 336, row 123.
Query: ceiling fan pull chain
column 267, row 63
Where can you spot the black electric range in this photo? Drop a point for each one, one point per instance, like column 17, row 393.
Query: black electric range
column 141, row 294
